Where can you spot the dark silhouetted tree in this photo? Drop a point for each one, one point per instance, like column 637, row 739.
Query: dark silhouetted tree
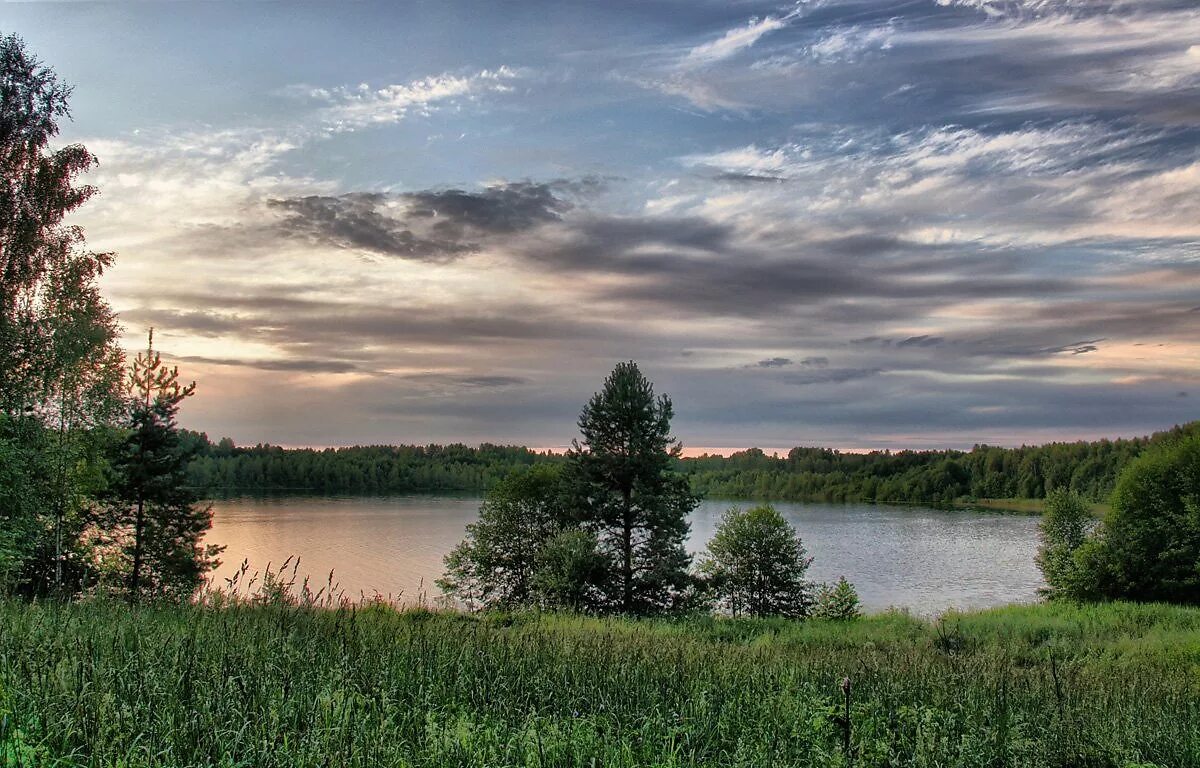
column 623, row 488
column 153, row 525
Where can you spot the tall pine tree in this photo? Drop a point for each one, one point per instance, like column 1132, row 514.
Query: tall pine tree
column 625, row 490
column 153, row 525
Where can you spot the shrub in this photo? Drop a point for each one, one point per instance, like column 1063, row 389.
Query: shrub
column 756, row 564
column 838, row 601
column 1149, row 545
column 1062, row 531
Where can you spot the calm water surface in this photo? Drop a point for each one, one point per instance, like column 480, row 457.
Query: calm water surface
column 919, row 558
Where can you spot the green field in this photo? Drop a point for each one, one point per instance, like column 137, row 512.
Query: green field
column 101, row 684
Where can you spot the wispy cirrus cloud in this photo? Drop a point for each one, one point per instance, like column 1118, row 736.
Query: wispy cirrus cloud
column 348, row 108
column 732, row 42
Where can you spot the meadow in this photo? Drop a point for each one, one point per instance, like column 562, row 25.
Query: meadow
column 238, row 684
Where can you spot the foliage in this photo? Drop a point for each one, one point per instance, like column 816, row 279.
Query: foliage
column 571, row 572
column 494, row 566
column 371, row 469
column 1089, row 469
column 97, row 683
column 756, row 565
column 622, row 486
column 1063, row 530
column 804, row 474
column 837, row 602
column 1148, row 547
column 56, row 333
column 59, row 361
column 151, row 526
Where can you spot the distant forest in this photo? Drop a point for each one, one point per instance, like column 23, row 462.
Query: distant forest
column 367, row 469
column 933, row 477
column 804, row 474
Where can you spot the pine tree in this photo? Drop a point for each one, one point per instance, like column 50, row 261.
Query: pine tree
column 838, row 601
column 624, row 489
column 153, row 525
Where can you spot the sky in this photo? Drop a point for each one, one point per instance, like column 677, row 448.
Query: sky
column 851, row 223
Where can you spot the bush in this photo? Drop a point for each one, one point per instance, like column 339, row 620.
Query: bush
column 570, row 571
column 1063, row 530
column 755, row 564
column 1149, row 545
column 838, row 601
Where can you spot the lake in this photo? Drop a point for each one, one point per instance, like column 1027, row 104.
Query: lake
column 923, row 559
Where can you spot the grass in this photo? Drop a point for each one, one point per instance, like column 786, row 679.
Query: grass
column 241, row 685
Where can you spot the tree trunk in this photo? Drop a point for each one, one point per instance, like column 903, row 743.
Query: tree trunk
column 136, row 575
column 627, row 552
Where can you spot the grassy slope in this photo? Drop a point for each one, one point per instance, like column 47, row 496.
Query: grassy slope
column 97, row 684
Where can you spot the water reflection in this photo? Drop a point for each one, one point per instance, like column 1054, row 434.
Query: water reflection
column 923, row 559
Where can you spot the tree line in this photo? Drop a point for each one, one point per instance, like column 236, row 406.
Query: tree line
column 372, row 469
column 1088, row 469
column 604, row 531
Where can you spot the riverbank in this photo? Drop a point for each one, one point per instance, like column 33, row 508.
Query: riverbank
column 1022, row 506
column 100, row 684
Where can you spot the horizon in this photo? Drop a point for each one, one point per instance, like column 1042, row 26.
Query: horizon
column 866, row 223
column 691, row 452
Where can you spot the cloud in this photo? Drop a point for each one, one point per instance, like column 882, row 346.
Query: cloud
column 830, row 376
column 499, row 208
column 428, row 225
column 360, row 221
column 291, row 365
column 733, row 41
column 466, row 381
column 887, row 224
column 920, row 341
column 349, row 108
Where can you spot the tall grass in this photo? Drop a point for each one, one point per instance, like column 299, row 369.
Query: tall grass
column 280, row 685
